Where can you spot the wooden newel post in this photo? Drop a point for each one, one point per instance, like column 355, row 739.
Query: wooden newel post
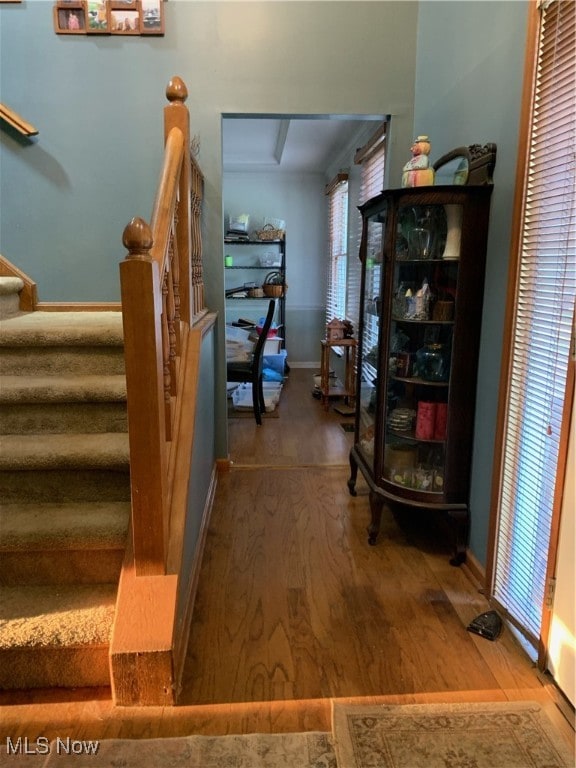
column 176, row 115
column 141, row 309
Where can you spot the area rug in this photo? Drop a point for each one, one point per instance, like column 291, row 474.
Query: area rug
column 286, row 750
column 498, row 735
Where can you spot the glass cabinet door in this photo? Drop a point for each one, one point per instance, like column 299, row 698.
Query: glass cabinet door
column 369, row 361
column 424, row 273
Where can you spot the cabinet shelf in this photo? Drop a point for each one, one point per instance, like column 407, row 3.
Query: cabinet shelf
column 421, row 322
column 398, row 328
column 437, row 494
column 411, row 437
column 423, row 262
column 419, row 382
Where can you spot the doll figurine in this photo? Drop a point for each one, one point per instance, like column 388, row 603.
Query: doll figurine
column 73, row 22
column 417, row 171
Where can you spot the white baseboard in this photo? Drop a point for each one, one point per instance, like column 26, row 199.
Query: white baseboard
column 303, row 365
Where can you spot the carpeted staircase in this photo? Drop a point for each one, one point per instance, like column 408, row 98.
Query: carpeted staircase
column 64, row 492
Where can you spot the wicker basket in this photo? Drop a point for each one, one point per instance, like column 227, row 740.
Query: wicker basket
column 274, row 287
column 273, row 291
column 268, row 233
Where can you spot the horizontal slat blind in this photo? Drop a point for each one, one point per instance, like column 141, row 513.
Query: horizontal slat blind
column 372, row 159
column 337, row 193
column 541, row 335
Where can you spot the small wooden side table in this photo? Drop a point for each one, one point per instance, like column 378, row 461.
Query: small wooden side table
column 348, row 390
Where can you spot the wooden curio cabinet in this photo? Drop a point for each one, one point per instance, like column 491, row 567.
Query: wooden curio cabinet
column 423, row 254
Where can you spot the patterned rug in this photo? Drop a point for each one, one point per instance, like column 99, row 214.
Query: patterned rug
column 287, row 750
column 499, row 735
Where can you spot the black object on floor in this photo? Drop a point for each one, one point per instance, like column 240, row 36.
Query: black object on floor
column 488, row 625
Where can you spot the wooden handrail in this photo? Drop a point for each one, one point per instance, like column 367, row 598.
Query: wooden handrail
column 17, row 122
column 161, row 300
column 166, row 197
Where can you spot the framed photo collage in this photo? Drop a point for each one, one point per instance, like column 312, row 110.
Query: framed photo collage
column 109, row 17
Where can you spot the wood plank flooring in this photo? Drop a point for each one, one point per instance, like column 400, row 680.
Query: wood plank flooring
column 295, row 609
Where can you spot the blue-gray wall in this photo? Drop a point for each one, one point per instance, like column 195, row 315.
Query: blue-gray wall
column 452, row 70
column 66, row 198
column 468, row 90
column 202, row 464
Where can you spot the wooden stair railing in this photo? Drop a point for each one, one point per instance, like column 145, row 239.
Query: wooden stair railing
column 18, row 123
column 162, row 297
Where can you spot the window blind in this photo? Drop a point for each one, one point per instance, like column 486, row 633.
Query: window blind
column 371, row 158
column 540, row 336
column 337, row 192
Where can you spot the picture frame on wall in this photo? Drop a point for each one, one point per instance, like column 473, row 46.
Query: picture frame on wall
column 125, row 17
column 98, row 17
column 152, row 17
column 70, row 17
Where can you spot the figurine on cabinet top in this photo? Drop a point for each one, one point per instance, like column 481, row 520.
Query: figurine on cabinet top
column 417, row 172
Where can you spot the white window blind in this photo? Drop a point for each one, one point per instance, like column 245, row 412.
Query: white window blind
column 541, row 333
column 337, row 192
column 371, row 158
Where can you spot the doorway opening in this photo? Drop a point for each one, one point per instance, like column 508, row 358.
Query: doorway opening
column 276, row 169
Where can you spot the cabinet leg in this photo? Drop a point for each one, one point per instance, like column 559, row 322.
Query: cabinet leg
column 459, row 522
column 376, row 504
column 353, row 475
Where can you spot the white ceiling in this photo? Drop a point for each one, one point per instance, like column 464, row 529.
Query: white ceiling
column 289, row 143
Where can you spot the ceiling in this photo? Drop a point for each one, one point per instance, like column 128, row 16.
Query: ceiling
column 290, row 143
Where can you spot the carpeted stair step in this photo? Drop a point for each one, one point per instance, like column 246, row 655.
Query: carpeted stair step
column 55, row 404
column 62, row 543
column 75, row 329
column 52, row 343
column 54, row 360
column 62, row 389
column 100, row 451
column 10, row 288
column 55, row 636
column 61, row 486
column 65, row 491
column 32, row 418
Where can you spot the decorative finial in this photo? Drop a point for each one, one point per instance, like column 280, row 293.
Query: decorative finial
column 137, row 239
column 176, row 90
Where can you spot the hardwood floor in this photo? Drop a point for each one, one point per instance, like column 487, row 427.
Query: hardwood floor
column 303, row 435
column 295, row 609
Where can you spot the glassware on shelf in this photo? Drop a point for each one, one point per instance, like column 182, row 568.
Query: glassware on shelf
column 432, row 362
column 454, row 231
column 401, row 419
column 421, row 234
column 419, row 243
column 412, row 303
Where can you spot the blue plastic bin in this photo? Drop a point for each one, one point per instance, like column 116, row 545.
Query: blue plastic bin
column 276, row 363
